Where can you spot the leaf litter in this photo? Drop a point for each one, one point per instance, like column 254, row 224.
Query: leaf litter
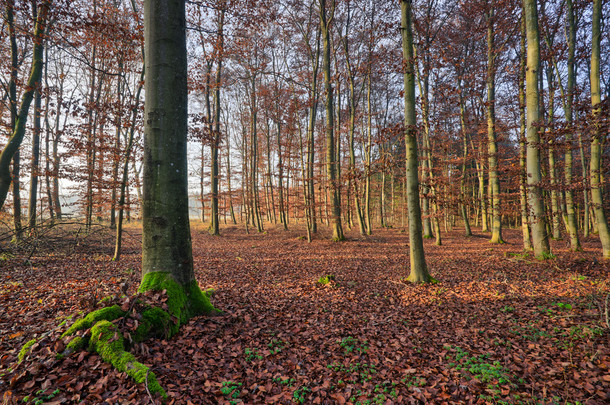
column 499, row 327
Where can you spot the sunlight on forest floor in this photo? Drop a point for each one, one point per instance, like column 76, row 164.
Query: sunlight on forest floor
column 500, row 327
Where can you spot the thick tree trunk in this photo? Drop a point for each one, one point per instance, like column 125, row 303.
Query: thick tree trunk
column 419, row 271
column 167, row 261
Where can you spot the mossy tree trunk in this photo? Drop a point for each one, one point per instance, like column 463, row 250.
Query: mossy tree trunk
column 166, row 241
column 14, row 142
column 419, row 272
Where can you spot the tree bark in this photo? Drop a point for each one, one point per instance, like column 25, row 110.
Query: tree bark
column 598, row 133
column 331, row 163
column 572, row 224
column 536, row 205
column 419, row 271
column 492, row 143
column 167, row 261
column 14, row 142
column 525, row 225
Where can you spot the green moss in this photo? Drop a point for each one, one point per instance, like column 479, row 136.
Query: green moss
column 155, row 322
column 104, row 300
column 326, row 279
column 108, row 341
column 108, row 314
column 77, row 344
column 183, row 302
column 25, row 350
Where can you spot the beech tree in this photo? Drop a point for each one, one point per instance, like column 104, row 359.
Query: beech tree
column 534, row 192
column 166, row 242
column 419, row 271
column 597, row 133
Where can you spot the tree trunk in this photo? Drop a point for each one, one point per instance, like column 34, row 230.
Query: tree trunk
column 127, row 158
column 12, row 96
column 572, row 224
column 536, row 205
column 468, row 231
column 331, row 163
column 12, row 146
column 598, row 133
column 116, row 161
column 167, row 262
column 492, row 144
column 35, row 162
column 419, row 272
column 367, row 163
column 525, row 226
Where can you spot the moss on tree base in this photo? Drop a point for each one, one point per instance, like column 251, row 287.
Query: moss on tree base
column 184, row 302
column 157, row 319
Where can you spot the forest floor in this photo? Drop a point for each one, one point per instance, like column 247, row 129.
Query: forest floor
column 499, row 327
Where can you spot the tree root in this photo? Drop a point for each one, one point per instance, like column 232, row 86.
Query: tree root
column 157, row 311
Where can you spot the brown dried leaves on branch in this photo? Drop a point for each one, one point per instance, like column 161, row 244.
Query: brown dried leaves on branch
column 500, row 326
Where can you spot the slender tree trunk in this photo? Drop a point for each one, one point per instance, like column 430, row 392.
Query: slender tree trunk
column 12, row 96
column 368, row 152
column 492, row 143
column 12, row 146
column 117, row 147
column 572, row 224
column 525, row 226
column 47, row 127
column 352, row 129
column 464, row 209
column 598, row 133
column 419, row 271
column 555, row 208
column 35, row 162
column 283, row 216
column 305, row 184
column 229, row 190
column 331, row 164
column 123, row 191
column 536, row 204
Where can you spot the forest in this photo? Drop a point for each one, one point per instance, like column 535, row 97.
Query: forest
column 319, row 201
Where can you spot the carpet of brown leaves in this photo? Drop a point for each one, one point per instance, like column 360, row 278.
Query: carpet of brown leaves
column 500, row 327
